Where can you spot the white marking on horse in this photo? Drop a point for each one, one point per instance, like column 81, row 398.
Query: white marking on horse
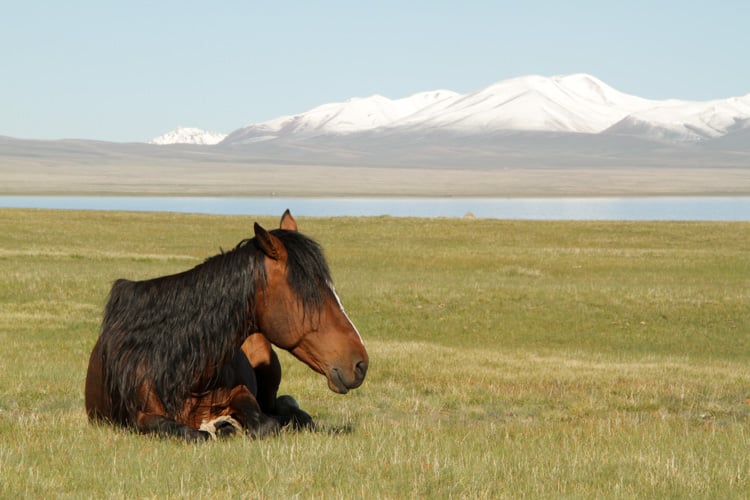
column 210, row 426
column 341, row 307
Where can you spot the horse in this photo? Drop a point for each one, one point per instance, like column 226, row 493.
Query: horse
column 190, row 355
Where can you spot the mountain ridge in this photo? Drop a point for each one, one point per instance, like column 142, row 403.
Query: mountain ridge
column 189, row 135
column 575, row 103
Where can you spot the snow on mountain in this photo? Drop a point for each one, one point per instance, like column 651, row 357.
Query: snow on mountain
column 687, row 120
column 577, row 103
column 189, row 135
column 574, row 103
column 354, row 115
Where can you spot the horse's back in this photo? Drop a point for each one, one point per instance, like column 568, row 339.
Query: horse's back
column 120, row 297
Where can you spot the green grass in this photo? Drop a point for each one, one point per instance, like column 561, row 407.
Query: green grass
column 508, row 359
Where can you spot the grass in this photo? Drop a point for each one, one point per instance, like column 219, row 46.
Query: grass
column 508, row 359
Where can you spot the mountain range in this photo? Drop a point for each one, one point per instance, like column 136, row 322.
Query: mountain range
column 189, row 135
column 530, row 136
column 568, row 104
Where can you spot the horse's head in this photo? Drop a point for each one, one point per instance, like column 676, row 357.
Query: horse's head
column 297, row 308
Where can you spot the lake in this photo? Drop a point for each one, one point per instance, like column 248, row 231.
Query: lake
column 701, row 208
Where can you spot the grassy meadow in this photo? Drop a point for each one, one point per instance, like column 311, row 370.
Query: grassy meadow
column 507, row 360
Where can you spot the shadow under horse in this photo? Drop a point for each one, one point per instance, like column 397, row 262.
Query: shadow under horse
column 191, row 354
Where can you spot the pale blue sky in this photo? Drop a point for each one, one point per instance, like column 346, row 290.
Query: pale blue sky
column 129, row 71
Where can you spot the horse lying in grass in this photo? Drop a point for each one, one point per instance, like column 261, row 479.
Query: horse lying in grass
column 190, row 354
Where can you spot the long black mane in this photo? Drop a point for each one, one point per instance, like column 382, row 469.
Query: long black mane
column 307, row 270
column 176, row 333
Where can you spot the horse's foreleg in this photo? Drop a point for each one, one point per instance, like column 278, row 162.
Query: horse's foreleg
column 223, row 411
column 267, row 370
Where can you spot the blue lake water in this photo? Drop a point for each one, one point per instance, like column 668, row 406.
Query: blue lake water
column 719, row 208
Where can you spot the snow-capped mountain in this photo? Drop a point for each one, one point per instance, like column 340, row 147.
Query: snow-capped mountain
column 358, row 114
column 577, row 103
column 687, row 120
column 189, row 135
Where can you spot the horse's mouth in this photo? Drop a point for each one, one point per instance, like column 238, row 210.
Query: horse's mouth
column 336, row 382
column 339, row 383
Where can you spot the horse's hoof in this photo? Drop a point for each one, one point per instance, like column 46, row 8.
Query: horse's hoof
column 301, row 421
column 198, row 436
column 225, row 429
column 266, row 425
column 220, row 427
column 290, row 412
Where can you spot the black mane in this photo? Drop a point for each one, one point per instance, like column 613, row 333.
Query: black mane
column 307, row 270
column 175, row 333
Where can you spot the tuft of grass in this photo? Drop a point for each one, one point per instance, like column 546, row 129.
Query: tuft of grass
column 508, row 359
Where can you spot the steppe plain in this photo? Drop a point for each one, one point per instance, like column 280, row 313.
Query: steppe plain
column 509, row 359
column 497, row 167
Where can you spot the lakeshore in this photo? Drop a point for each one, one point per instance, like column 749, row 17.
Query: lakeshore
column 234, row 180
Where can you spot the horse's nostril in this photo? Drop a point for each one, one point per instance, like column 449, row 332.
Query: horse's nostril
column 361, row 369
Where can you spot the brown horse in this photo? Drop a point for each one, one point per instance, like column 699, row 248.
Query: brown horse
column 190, row 354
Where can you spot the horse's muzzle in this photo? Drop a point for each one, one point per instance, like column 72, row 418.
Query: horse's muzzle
column 341, row 382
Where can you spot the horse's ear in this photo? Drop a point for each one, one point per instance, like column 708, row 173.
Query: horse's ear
column 268, row 243
column 288, row 222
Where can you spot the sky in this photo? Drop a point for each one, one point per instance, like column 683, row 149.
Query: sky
column 130, row 71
